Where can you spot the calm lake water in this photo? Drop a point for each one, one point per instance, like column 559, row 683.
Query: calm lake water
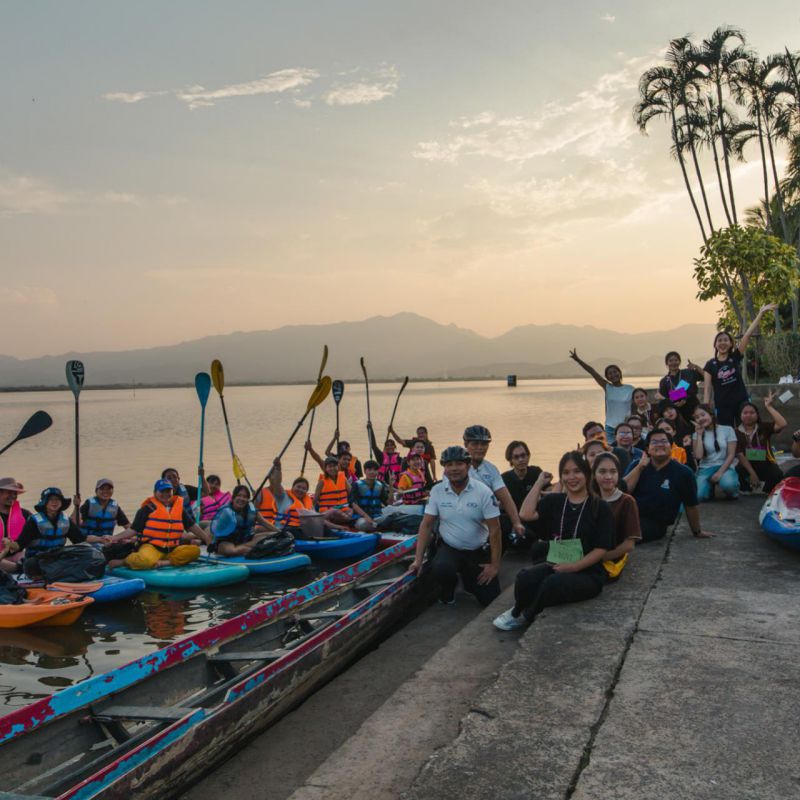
column 131, row 438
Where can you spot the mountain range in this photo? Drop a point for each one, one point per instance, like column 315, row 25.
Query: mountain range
column 402, row 344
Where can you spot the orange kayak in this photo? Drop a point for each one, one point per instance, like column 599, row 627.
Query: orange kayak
column 44, row 608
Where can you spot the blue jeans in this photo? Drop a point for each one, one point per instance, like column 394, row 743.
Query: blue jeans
column 729, row 483
column 610, row 436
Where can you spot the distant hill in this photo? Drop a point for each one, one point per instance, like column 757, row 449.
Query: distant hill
column 403, row 344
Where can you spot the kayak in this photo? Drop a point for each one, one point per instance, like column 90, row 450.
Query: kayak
column 262, row 566
column 192, row 576
column 44, row 608
column 780, row 514
column 346, row 545
column 117, row 588
column 390, row 538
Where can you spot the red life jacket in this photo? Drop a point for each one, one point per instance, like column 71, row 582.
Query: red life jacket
column 392, row 465
column 417, row 495
column 211, row 504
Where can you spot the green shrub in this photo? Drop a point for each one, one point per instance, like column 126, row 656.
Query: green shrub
column 781, row 353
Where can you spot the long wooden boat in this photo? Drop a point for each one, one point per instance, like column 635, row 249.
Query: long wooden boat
column 154, row 725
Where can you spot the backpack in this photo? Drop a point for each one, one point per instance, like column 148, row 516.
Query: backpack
column 72, row 564
column 279, row 545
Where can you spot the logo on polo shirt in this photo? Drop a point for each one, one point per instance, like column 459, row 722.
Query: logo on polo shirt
column 665, row 485
column 472, row 505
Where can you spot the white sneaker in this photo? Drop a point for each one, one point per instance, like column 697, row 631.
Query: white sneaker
column 508, row 622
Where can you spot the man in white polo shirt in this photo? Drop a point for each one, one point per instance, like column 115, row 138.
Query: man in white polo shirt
column 469, row 532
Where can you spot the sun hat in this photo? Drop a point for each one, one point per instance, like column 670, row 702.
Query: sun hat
column 161, row 485
column 104, row 482
column 11, row 485
column 52, row 491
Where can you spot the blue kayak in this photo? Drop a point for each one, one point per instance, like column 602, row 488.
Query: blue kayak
column 197, row 575
column 262, row 566
column 780, row 515
column 346, row 545
column 115, row 589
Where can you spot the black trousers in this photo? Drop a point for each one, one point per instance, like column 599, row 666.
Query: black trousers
column 448, row 564
column 768, row 472
column 652, row 529
column 540, row 586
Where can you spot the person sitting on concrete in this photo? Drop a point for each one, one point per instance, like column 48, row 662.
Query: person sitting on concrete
column 470, row 545
column 579, row 529
column 714, row 447
column 594, row 430
column 661, row 486
column 161, row 523
column 757, row 468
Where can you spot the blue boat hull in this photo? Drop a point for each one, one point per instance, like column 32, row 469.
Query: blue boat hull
column 348, row 545
column 116, row 588
column 780, row 514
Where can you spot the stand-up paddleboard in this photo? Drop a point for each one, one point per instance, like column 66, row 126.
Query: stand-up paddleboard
column 262, row 566
column 197, row 575
column 346, row 545
column 780, row 514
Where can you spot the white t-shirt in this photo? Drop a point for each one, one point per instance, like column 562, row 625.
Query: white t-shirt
column 462, row 517
column 618, row 403
column 488, row 474
column 711, row 456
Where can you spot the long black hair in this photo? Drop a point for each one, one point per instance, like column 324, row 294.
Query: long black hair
column 710, row 411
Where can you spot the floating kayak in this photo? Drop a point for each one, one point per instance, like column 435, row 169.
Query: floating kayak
column 780, row 514
column 193, row 576
column 116, row 588
column 390, row 538
column 262, row 566
column 347, row 545
column 44, row 608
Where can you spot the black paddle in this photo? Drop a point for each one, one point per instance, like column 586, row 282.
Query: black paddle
column 38, row 422
column 337, row 390
column 369, row 416
column 394, row 410
column 75, row 377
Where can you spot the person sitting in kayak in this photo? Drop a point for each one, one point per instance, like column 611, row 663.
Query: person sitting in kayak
column 418, row 448
column 331, row 494
column 411, row 489
column 50, row 528
column 238, row 527
column 12, row 521
column 281, row 507
column 183, row 490
column 161, row 523
column 429, row 452
column 369, row 497
column 212, row 502
column 354, row 469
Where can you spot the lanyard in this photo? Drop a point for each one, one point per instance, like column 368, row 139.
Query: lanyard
column 577, row 524
column 750, row 438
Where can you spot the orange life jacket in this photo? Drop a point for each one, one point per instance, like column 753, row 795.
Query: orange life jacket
column 268, row 509
column 679, row 453
column 164, row 526
column 333, row 494
column 267, row 506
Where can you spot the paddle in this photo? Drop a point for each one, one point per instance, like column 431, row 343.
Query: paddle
column 202, row 385
column 311, row 423
column 218, row 378
column 39, row 421
column 337, row 389
column 394, row 410
column 321, row 391
column 75, row 377
column 369, row 416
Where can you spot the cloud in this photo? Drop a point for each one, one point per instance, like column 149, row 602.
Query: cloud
column 382, row 84
column 24, row 194
column 131, row 97
column 608, row 18
column 276, row 82
column 28, row 296
column 596, row 120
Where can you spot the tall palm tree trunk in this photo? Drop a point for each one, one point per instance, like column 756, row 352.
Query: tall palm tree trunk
column 725, row 149
column 720, row 182
column 764, row 170
column 686, row 182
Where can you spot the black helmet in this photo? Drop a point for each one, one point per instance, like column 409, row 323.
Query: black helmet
column 52, row 491
column 454, row 453
column 477, row 433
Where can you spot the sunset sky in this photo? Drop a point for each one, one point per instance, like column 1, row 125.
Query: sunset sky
column 173, row 170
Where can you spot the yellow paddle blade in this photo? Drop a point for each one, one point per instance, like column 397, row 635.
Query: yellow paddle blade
column 324, row 362
column 321, row 391
column 238, row 468
column 217, row 375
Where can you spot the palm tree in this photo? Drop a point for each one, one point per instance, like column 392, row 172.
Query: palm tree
column 709, row 124
column 718, row 61
column 659, row 97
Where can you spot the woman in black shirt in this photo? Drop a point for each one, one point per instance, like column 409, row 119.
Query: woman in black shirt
column 580, row 530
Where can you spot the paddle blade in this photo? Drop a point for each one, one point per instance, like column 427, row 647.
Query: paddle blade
column 202, row 385
column 218, row 375
column 324, row 362
column 321, row 391
column 238, row 468
column 38, row 422
column 75, row 376
column 337, row 387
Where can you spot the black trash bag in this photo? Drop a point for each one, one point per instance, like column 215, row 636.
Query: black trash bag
column 75, row 564
column 279, row 545
column 11, row 593
column 407, row 524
